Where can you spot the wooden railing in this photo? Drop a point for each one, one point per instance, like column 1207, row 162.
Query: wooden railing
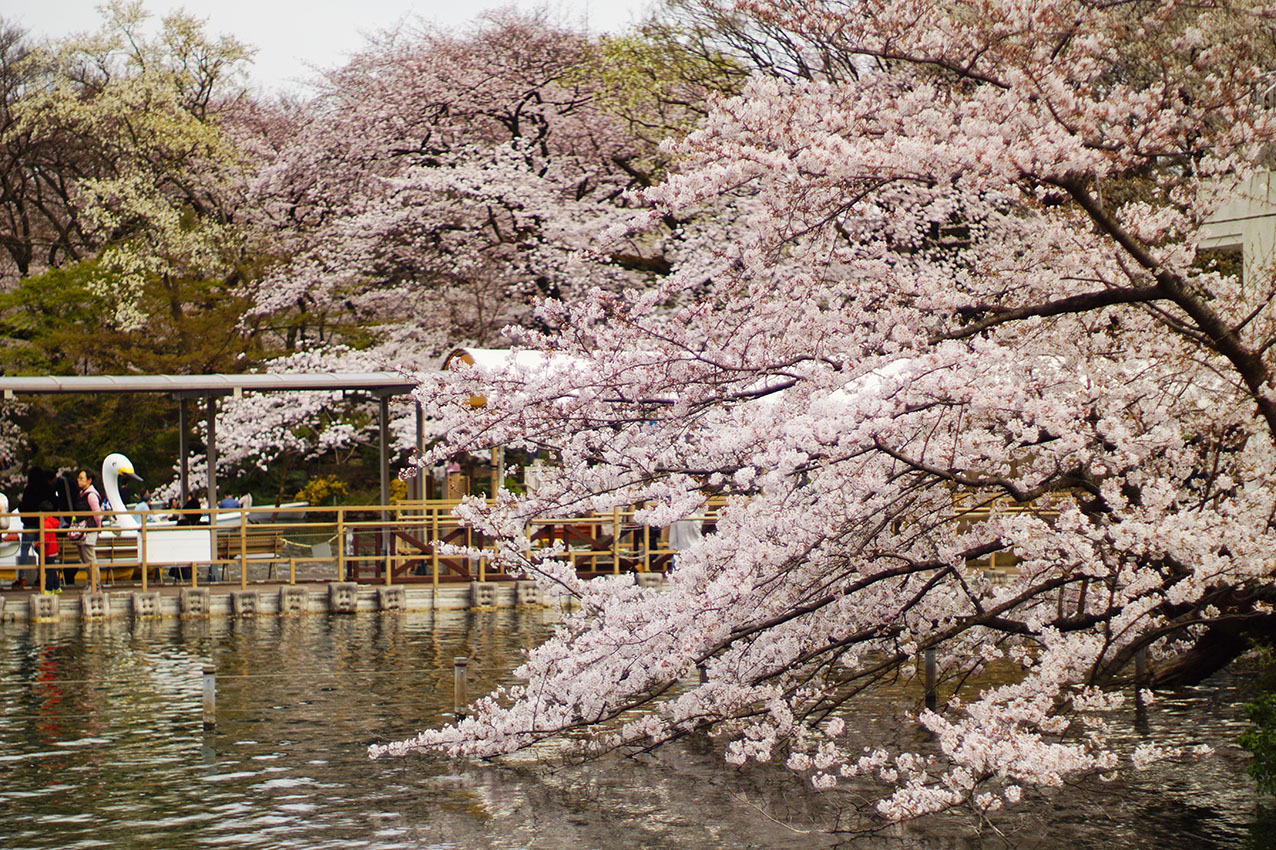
column 405, row 543
column 379, row 544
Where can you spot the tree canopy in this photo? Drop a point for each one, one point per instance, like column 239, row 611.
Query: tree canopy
column 961, row 275
column 433, row 188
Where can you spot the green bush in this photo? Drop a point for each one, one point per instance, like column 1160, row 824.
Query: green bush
column 1261, row 742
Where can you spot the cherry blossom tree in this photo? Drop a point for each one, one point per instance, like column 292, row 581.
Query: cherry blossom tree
column 266, row 436
column 33, row 201
column 969, row 282
column 436, row 186
column 445, row 181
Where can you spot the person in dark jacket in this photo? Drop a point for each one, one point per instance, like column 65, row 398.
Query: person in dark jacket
column 189, row 518
column 39, row 490
column 64, row 490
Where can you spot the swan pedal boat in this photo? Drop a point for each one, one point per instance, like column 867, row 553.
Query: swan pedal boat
column 166, row 541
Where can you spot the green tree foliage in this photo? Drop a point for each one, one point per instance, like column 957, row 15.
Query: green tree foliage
column 116, row 147
column 58, row 323
column 660, row 80
column 1260, row 741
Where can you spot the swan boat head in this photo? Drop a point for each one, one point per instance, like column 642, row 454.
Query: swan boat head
column 113, row 467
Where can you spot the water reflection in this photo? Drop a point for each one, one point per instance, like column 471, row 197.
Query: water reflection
column 101, row 744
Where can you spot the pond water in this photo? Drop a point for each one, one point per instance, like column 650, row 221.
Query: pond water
column 102, row 745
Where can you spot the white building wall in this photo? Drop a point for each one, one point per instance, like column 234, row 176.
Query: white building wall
column 1248, row 222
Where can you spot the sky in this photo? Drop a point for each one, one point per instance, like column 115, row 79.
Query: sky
column 291, row 36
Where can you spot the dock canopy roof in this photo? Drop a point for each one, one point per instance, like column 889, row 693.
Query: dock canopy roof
column 196, row 386
column 382, row 385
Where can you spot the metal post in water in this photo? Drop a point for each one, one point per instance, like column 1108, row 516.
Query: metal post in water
column 210, row 698
column 459, row 699
column 1140, row 682
column 931, row 678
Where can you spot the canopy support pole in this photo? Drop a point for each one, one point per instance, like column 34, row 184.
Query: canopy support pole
column 419, row 478
column 384, row 440
column 183, row 450
column 212, row 455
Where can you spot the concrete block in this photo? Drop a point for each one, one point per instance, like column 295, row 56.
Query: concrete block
column 293, row 600
column 94, row 606
column 43, row 608
column 482, row 594
column 245, row 603
column 392, row 599
column 147, row 604
column 195, row 602
column 343, row 597
column 527, row 593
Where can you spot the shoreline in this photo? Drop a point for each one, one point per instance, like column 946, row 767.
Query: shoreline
column 28, row 607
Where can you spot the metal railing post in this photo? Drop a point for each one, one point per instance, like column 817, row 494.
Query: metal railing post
column 434, row 547
column 210, row 698
column 390, row 557
column 615, row 541
column 645, row 544
column 341, row 543
column 141, row 550
column 40, row 553
column 243, row 549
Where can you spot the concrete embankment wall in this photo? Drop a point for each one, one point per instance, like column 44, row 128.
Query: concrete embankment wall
column 275, row 600
column 272, row 600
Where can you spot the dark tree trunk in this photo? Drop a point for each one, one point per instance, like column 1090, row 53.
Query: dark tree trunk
column 1219, row 646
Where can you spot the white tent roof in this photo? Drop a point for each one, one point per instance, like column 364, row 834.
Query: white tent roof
column 377, row 383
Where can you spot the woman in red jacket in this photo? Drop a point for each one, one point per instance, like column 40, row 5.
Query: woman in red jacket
column 48, row 550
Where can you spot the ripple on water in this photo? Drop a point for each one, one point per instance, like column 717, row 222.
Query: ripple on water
column 294, row 782
column 227, row 777
column 109, row 752
column 299, row 808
